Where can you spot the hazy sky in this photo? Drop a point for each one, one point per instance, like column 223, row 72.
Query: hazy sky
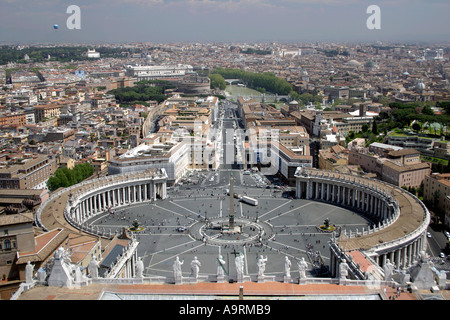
column 223, row 20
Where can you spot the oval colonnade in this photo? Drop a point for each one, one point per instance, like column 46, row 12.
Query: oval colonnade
column 400, row 219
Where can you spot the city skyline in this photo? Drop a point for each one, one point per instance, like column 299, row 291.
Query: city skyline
column 223, row 21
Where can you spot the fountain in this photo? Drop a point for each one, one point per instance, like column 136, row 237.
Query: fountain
column 136, row 227
column 326, row 226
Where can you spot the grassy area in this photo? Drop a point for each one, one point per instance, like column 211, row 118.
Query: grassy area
column 397, row 134
column 434, row 160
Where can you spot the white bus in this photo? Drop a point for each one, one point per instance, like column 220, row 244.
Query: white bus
column 249, row 200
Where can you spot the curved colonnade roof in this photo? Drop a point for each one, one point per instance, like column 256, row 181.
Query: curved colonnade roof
column 411, row 218
column 52, row 214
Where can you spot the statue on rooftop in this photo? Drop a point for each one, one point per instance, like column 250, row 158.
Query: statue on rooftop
column 195, row 267
column 139, row 268
column 177, row 268
column 29, row 268
column 261, row 265
column 239, row 263
column 93, row 268
column 302, row 266
column 220, row 266
column 388, row 270
column 343, row 269
column 287, row 267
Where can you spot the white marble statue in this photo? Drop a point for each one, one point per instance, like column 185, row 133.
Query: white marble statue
column 139, row 268
column 287, row 267
column 79, row 278
column 343, row 269
column 29, row 272
column 261, row 265
column 177, row 268
column 195, row 267
column 302, row 266
column 41, row 275
column 424, row 257
column 93, row 268
column 404, row 276
column 239, row 262
column 388, row 270
column 220, row 266
column 59, row 253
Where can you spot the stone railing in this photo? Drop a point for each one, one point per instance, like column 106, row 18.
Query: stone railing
column 210, row 278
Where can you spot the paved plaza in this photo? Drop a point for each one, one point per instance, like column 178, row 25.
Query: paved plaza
column 186, row 225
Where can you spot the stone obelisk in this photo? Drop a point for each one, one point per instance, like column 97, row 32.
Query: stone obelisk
column 231, row 214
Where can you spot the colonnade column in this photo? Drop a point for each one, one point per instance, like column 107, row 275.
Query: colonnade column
column 322, row 191
column 316, row 195
column 299, row 189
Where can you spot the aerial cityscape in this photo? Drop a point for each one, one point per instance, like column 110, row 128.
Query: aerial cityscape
column 177, row 161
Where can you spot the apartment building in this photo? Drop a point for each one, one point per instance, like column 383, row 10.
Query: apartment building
column 410, row 175
column 291, row 151
column 173, row 157
column 399, row 167
column 12, row 119
column 436, row 189
column 158, row 72
column 354, row 124
column 29, row 173
column 16, row 233
column 333, row 157
column 441, row 149
column 42, row 112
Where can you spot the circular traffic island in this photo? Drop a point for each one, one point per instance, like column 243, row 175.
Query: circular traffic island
column 244, row 231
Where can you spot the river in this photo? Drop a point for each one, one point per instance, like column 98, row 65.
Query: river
column 235, row 91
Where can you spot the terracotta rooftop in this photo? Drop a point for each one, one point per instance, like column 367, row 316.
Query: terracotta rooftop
column 46, row 244
column 250, row 289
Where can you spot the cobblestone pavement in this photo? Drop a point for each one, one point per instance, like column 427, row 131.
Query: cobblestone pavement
column 288, row 227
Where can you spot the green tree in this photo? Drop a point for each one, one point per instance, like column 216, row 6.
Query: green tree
column 420, row 191
column 416, row 126
column 64, row 181
column 217, row 81
column 427, row 110
column 375, row 127
column 53, row 183
column 365, row 127
column 64, row 177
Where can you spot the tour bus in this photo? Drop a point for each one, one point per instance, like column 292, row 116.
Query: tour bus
column 249, row 200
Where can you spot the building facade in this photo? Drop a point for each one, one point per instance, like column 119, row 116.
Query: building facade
column 173, row 158
column 31, row 173
column 436, row 190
